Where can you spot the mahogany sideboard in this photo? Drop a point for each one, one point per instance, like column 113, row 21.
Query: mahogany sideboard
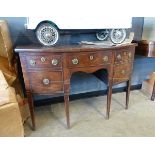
column 48, row 70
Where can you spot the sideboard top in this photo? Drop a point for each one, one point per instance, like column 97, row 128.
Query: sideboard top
column 69, row 48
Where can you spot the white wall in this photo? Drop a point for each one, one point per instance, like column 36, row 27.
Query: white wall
column 149, row 29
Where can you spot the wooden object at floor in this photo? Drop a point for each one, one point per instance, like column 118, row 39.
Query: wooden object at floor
column 147, row 85
column 48, row 70
column 147, row 49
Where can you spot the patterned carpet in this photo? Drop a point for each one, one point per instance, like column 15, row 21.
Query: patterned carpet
column 88, row 118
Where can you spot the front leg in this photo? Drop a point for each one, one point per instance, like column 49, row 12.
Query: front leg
column 128, row 93
column 66, row 95
column 109, row 95
column 66, row 103
column 31, row 108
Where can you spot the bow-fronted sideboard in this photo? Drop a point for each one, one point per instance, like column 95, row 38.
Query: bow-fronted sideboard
column 48, row 70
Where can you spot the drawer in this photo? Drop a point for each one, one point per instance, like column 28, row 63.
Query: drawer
column 106, row 57
column 125, row 55
column 122, row 72
column 44, row 61
column 89, row 59
column 46, row 82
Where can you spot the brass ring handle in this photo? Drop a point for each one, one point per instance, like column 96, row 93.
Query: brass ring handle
column 75, row 61
column 123, row 71
column 119, row 57
column 91, row 57
column 46, row 81
column 32, row 62
column 54, row 62
column 130, row 55
column 105, row 58
column 43, row 59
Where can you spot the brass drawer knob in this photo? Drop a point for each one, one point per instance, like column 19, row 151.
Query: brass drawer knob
column 54, row 62
column 123, row 72
column 91, row 57
column 105, row 58
column 43, row 59
column 46, row 81
column 119, row 57
column 75, row 61
column 32, row 62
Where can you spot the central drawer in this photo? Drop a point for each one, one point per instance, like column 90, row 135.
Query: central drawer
column 89, row 59
column 46, row 82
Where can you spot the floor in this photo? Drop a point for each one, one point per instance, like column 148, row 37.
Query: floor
column 88, row 118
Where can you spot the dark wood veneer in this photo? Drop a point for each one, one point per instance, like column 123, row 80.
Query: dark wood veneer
column 48, row 70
